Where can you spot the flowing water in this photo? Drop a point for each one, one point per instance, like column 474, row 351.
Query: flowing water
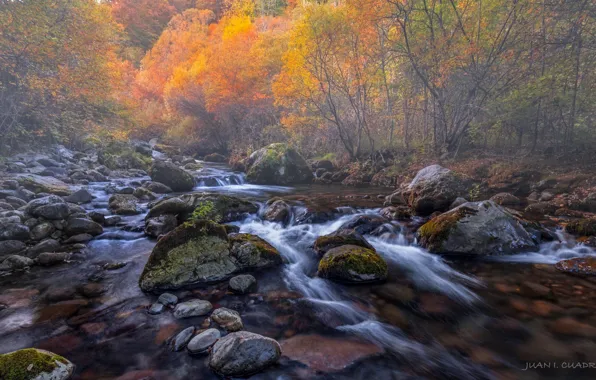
column 432, row 319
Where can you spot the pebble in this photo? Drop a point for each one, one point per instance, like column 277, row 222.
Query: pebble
column 192, row 308
column 228, row 319
column 156, row 308
column 202, row 342
column 182, row 339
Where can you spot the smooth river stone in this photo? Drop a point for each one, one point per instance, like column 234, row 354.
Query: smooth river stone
column 201, row 343
column 182, row 339
column 192, row 308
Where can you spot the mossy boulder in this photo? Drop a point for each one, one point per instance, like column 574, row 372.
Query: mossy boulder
column 353, row 264
column 223, row 207
column 34, row 364
column 582, row 227
column 123, row 156
column 200, row 252
column 39, row 184
column 434, row 188
column 278, row 164
column 172, row 176
column 341, row 237
column 477, row 229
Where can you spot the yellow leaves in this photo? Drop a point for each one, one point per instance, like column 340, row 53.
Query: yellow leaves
column 235, row 26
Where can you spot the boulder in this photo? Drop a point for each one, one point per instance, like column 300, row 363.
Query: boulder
column 242, row 353
column 15, row 202
column 10, row 247
column 48, row 245
column 76, row 226
column 215, row 157
column 353, row 264
column 51, row 207
column 203, row 341
column 278, row 211
column 52, row 258
column 42, row 231
column 227, row 319
column 364, row 224
column 338, row 238
column 277, row 164
column 160, row 225
column 122, row 204
column 540, row 209
column 13, row 231
column 157, row 187
column 39, row 184
column 144, row 194
column 15, row 262
column 34, row 364
column 477, row 229
column 172, row 176
column 201, row 252
column 79, row 197
column 434, row 188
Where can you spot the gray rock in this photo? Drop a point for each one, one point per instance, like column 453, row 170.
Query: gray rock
column 112, row 220
column 277, row 164
column 157, row 187
column 201, row 343
column 458, row 202
column 52, row 258
column 477, row 229
column 51, row 207
column 13, row 231
column 124, row 205
column 42, row 231
column 144, row 194
column 15, row 202
column 97, row 217
column 243, row 284
column 156, row 308
column 15, row 262
column 11, row 184
column 278, row 211
column 80, row 238
column 227, row 319
column 181, row 340
column 10, row 247
column 76, row 226
column 48, row 245
column 506, row 199
column 167, row 299
column 160, row 225
column 80, row 196
column 192, row 308
column 243, row 353
column 27, row 361
column 39, row 184
column 435, row 188
column 172, row 176
column 4, row 206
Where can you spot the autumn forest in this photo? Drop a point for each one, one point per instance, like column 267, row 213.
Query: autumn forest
column 346, row 77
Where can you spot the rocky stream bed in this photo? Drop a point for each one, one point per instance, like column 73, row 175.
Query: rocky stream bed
column 153, row 266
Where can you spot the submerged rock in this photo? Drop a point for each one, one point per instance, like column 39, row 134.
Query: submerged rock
column 277, row 164
column 34, row 364
column 476, row 228
column 201, row 252
column 434, row 188
column 354, row 264
column 243, row 353
column 172, row 176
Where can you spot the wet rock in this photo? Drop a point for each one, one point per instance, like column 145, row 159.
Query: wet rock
column 157, row 187
column 541, row 209
column 364, row 224
column 227, row 319
column 243, row 284
column 35, row 364
column 434, row 188
column 79, row 197
column 39, row 184
column 156, row 308
column 76, row 226
column 193, row 166
column 506, row 199
column 15, row 202
column 144, row 194
column 112, row 220
column 172, row 176
column 396, row 213
column 114, row 265
column 52, row 258
column 160, row 225
column 4, row 206
column 15, row 262
column 48, row 245
column 202, row 252
column 181, row 340
column 10, row 184
column 93, row 290
column 277, row 164
column 327, row 354
column 42, row 231
column 243, row 353
column 97, row 217
column 10, row 247
column 123, row 204
column 202, row 342
column 80, row 238
column 476, row 228
column 278, row 211
column 167, row 299
column 51, row 207
column 585, row 266
column 192, row 308
column 339, row 238
column 582, row 227
column 354, row 264
column 13, row 231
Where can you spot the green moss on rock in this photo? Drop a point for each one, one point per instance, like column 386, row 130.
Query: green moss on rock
column 433, row 233
column 29, row 363
column 266, row 254
column 582, row 227
column 355, row 264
